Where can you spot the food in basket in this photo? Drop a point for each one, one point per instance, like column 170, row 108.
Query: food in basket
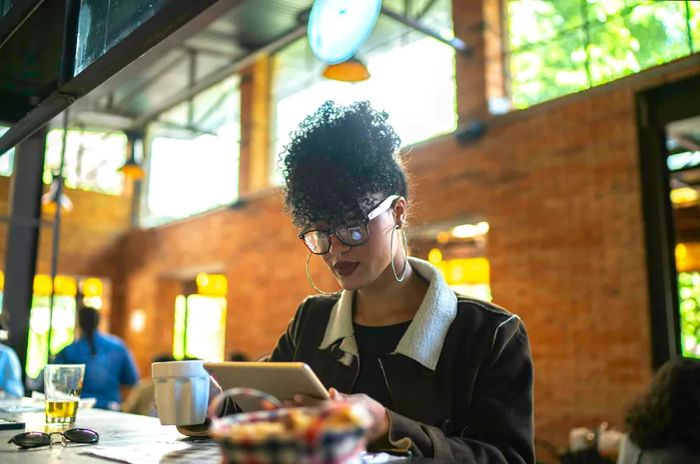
column 332, row 434
column 298, row 424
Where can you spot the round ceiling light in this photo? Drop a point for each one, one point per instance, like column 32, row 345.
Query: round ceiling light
column 338, row 28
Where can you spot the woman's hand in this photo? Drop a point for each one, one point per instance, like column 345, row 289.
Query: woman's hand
column 378, row 413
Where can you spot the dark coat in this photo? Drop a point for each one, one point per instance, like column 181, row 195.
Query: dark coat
column 474, row 406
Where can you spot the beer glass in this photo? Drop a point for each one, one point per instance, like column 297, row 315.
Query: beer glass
column 63, row 384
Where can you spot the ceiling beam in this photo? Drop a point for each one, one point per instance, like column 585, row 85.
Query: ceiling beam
column 220, row 74
column 153, row 32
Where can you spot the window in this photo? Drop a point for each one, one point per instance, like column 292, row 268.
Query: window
column 557, row 47
column 63, row 321
column 459, row 252
column 61, row 324
column 200, row 327
column 689, row 299
column 92, row 159
column 7, row 159
column 413, row 79
column 193, row 156
column 5, row 6
column 103, row 24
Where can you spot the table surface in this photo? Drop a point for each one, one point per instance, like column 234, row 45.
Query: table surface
column 138, row 439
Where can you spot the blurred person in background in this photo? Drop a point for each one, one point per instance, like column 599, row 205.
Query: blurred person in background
column 238, row 356
column 141, row 399
column 664, row 424
column 108, row 362
column 10, row 368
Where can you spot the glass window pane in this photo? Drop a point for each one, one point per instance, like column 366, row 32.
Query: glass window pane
column 547, row 72
column 5, row 6
column 193, row 166
column 206, row 327
column 92, row 159
column 602, row 11
column 694, row 9
column 62, row 330
column 626, row 36
column 179, row 329
column 189, row 176
column 104, row 23
column 647, row 36
column 200, row 327
column 7, row 159
column 689, row 296
column 537, row 21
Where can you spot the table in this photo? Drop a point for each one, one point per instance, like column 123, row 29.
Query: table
column 119, row 432
column 141, row 438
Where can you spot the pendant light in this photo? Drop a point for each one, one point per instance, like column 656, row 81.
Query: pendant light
column 132, row 168
column 350, row 70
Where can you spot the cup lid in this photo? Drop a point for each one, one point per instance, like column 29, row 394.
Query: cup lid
column 177, row 368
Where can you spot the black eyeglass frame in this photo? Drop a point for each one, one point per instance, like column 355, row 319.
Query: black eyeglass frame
column 17, row 439
column 379, row 209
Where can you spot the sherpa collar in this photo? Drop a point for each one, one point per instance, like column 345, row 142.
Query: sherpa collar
column 425, row 335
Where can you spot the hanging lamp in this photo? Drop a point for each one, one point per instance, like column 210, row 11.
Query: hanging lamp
column 132, row 168
column 350, row 70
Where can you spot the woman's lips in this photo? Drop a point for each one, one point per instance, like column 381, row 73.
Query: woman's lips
column 345, row 268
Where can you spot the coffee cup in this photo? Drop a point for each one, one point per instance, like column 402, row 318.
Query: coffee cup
column 181, row 391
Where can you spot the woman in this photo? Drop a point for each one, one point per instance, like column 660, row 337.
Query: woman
column 664, row 425
column 442, row 375
column 108, row 363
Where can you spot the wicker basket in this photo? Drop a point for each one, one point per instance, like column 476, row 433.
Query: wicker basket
column 263, row 437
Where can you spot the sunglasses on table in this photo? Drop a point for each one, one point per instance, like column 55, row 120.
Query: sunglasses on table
column 318, row 241
column 37, row 439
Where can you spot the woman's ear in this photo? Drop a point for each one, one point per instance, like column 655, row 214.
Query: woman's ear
column 400, row 213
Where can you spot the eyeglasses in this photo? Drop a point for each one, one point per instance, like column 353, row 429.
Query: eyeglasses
column 37, row 439
column 318, row 241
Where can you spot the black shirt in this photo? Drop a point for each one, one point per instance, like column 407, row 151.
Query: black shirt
column 373, row 342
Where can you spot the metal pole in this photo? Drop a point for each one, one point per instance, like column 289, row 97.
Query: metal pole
column 22, row 239
column 456, row 43
column 56, row 231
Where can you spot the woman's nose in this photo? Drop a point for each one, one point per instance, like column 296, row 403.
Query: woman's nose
column 337, row 247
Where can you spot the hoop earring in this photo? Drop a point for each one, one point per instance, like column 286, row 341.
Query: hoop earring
column 311, row 281
column 405, row 254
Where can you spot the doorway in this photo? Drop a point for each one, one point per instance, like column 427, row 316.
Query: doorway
column 669, row 141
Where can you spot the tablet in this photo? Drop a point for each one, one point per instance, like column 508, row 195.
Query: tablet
column 280, row 379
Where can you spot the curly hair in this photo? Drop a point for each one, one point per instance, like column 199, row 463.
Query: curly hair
column 669, row 414
column 336, row 159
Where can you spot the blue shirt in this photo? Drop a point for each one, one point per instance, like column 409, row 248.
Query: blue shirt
column 111, row 366
column 10, row 372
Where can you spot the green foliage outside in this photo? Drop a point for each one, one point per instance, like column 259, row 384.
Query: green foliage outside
column 62, row 327
column 689, row 293
column 559, row 47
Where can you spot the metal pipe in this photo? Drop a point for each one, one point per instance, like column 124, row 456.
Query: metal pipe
column 456, row 43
